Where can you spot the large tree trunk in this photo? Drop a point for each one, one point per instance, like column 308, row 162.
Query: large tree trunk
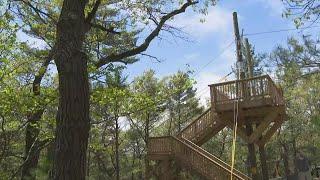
column 72, row 121
column 31, row 153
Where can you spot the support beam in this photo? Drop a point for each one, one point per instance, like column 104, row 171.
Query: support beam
column 270, row 132
column 263, row 125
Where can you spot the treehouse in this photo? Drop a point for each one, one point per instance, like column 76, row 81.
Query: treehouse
column 255, row 101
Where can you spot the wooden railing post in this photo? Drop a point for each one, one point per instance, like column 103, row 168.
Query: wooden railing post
column 213, row 94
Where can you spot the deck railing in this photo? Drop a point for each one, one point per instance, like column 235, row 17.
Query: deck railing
column 159, row 145
column 190, row 155
column 246, row 89
column 198, row 126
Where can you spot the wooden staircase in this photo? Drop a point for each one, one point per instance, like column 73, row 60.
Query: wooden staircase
column 191, row 156
column 202, row 128
column 185, row 150
column 260, row 102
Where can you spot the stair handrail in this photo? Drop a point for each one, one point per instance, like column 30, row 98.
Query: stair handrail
column 194, row 121
column 226, row 165
column 208, row 158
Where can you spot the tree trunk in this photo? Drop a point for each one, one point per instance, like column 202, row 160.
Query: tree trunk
column 50, row 157
column 72, row 121
column 117, row 150
column 32, row 132
column 146, row 140
column 222, row 150
column 252, row 155
column 286, row 159
column 32, row 129
column 263, row 160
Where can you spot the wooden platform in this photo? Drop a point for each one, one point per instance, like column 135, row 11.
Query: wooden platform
column 254, row 99
column 257, row 101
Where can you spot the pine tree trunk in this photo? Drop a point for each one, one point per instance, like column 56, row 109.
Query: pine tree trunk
column 146, row 140
column 117, row 150
column 263, row 160
column 285, row 158
column 72, row 121
column 252, row 155
column 31, row 152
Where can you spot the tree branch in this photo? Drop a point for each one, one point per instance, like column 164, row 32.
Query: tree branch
column 108, row 30
column 141, row 48
column 38, row 78
column 38, row 11
column 93, row 12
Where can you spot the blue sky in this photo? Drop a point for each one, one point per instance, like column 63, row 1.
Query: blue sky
column 208, row 39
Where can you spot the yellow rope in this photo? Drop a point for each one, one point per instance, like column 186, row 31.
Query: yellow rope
column 235, row 119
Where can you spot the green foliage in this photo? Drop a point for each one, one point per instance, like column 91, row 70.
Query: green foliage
column 302, row 11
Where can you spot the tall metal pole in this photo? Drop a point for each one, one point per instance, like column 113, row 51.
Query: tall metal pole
column 241, row 75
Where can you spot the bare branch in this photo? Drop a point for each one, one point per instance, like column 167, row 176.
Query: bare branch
column 151, row 57
column 141, row 48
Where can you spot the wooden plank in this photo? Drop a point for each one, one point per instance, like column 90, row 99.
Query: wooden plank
column 263, row 125
column 270, row 132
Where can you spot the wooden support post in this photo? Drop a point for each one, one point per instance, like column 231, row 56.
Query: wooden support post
column 249, row 58
column 238, row 43
column 262, row 126
column 249, row 128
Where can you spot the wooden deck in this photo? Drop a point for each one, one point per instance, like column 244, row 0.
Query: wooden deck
column 259, row 101
column 251, row 93
column 255, row 97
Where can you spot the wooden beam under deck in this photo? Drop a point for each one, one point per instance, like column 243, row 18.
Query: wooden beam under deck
column 263, row 125
column 270, row 132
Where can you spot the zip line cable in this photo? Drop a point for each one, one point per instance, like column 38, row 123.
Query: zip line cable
column 280, row 30
column 197, row 73
column 223, row 51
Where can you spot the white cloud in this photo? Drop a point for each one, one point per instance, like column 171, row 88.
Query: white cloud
column 218, row 20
